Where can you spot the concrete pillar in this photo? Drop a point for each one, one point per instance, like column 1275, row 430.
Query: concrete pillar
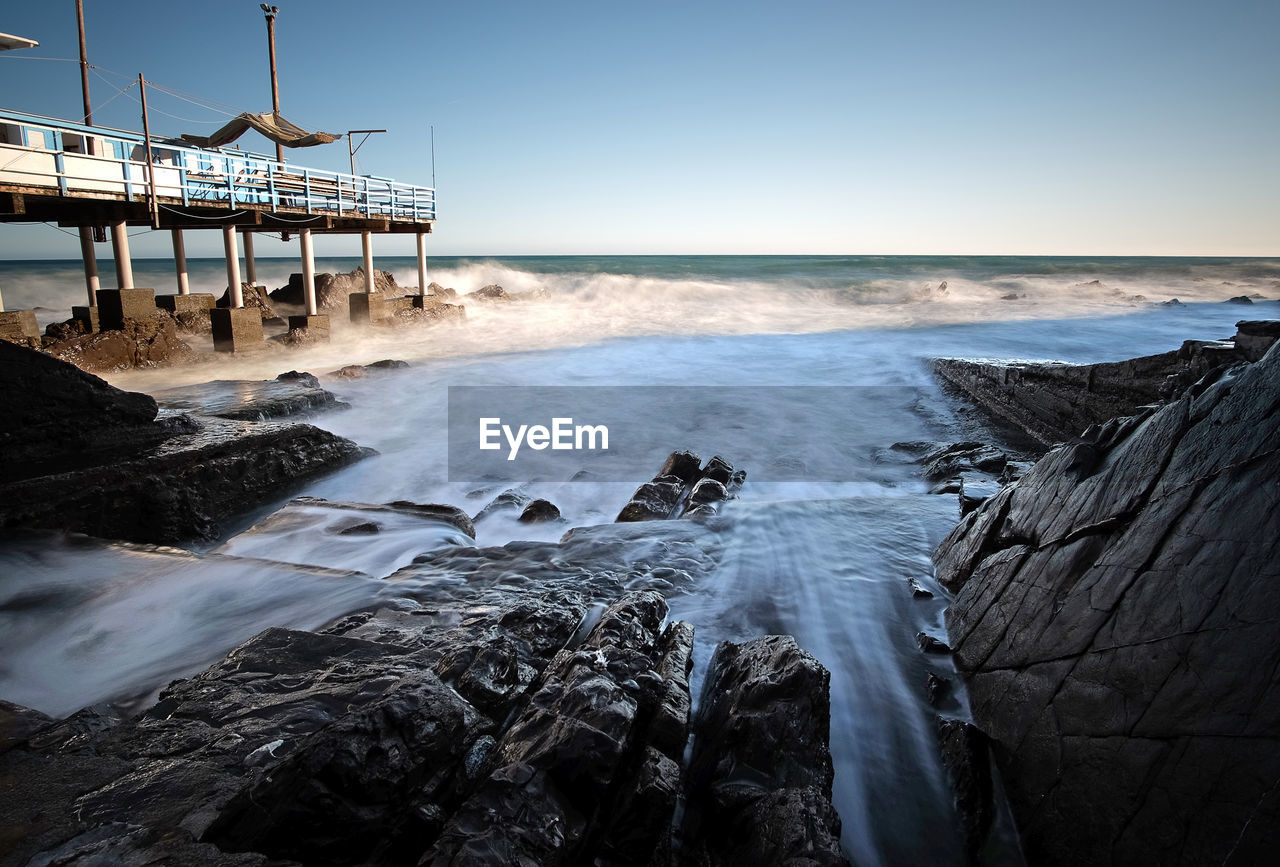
column 233, row 264
column 308, row 271
column 422, row 263
column 90, row 258
column 120, row 248
column 250, row 267
column 366, row 246
column 180, row 262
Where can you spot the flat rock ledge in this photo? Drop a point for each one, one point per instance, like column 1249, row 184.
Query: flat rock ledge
column 1117, row 619
column 83, row 456
column 1053, row 402
column 500, row 719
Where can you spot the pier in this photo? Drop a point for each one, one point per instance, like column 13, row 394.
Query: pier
column 96, row 179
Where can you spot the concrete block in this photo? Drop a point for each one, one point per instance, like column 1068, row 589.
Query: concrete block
column 316, row 326
column 367, row 308
column 426, row 302
column 89, row 316
column 116, row 306
column 236, row 329
column 19, row 325
column 196, row 302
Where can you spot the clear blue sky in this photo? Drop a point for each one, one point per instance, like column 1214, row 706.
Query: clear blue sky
column 729, row 127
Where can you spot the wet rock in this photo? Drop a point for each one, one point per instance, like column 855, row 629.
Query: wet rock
column 686, row 466
column 936, row 688
column 539, row 512
column 141, row 343
column 350, row 371
column 652, row 501
column 684, row 488
column 918, row 592
column 1239, row 299
column 117, row 843
column 929, row 644
column 437, row 512
column 57, row 417
column 361, row 528
column 761, row 769
column 669, row 729
column 17, row 723
column 250, row 400
column 1254, row 337
column 1053, row 402
column 1172, row 302
column 333, row 291
column 508, row 501
column 492, row 292
column 300, row 377
column 966, row 758
column 387, row 364
column 1112, row 623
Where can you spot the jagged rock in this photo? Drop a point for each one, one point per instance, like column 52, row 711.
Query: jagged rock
column 966, row 758
column 929, row 644
column 1054, row 402
column 1254, row 337
column 936, row 688
column 1239, row 299
column 141, row 343
column 652, row 501
column 683, row 481
column 686, row 466
column 761, row 767
column 918, row 592
column 17, row 723
column 57, row 417
column 250, row 400
column 300, row 377
column 492, row 292
column 334, row 290
column 539, row 512
column 1114, row 620
column 252, row 296
column 359, row 371
column 387, row 364
column 669, row 729
column 509, row 500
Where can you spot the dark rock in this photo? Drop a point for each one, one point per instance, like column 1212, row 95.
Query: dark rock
column 918, row 592
column 539, row 512
column 652, row 501
column 1239, row 299
column 117, row 843
column 929, row 644
column 686, row 466
column 508, row 501
column 57, row 417
column 669, row 729
column 350, row 371
column 388, row 364
column 936, row 688
column 361, row 528
column 17, row 723
column 299, row 377
column 718, row 469
column 250, row 400
column 966, row 758
column 1172, row 302
column 180, row 490
column 333, row 291
column 707, row 491
column 140, row 343
column 1255, row 337
column 439, row 512
column 1054, row 402
column 761, row 768
column 1115, row 628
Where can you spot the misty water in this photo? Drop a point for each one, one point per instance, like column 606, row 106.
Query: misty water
column 820, row 543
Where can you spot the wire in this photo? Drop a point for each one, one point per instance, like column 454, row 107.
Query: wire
column 198, row 217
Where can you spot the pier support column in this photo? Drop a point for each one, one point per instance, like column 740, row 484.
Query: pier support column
column 233, row 264
column 180, row 263
column 316, row 325
column 422, row 263
column 250, row 266
column 120, row 248
column 308, row 271
column 366, row 246
column 90, row 257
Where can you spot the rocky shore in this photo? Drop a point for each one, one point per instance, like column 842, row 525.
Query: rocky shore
column 1116, row 607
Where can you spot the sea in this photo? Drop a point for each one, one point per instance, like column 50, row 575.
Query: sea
column 802, row 370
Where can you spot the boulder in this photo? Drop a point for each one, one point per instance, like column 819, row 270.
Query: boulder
column 251, row 400
column 138, row 343
column 492, row 292
column 1113, row 620
column 539, row 512
column 334, row 290
column 256, row 297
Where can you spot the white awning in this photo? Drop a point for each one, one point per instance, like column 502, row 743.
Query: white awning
column 8, row 42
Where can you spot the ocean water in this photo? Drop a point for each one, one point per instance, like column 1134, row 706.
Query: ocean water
column 824, row 555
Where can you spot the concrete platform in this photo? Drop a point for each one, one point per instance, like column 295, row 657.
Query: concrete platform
column 367, row 308
column 116, row 306
column 197, row 302
column 89, row 316
column 19, row 325
column 316, row 326
column 236, row 329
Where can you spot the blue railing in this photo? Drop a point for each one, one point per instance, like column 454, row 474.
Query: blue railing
column 46, row 152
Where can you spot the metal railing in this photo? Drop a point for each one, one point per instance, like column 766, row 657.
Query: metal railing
column 190, row 175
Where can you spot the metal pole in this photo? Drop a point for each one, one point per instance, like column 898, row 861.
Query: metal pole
column 120, row 247
column 308, row 271
column 153, row 206
column 275, row 84
column 422, row 263
column 366, row 246
column 84, row 69
column 233, row 264
column 90, row 264
column 250, row 266
column 180, row 262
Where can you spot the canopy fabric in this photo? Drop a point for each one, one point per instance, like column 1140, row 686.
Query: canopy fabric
column 270, row 124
